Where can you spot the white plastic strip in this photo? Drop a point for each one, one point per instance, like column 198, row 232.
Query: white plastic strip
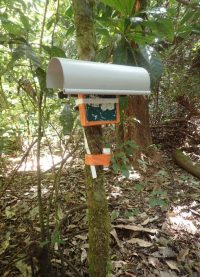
column 106, row 151
column 106, row 91
column 98, row 100
column 92, row 167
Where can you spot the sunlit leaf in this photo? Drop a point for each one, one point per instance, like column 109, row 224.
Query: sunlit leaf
column 123, row 6
column 4, row 244
column 140, row 242
column 24, row 269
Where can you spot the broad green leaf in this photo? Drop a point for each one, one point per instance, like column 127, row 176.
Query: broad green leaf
column 150, row 60
column 12, row 28
column 153, row 202
column 141, row 39
column 25, row 21
column 70, row 31
column 25, row 51
column 54, row 51
column 125, row 7
column 163, row 27
column 156, row 67
column 123, row 103
column 58, row 52
column 67, row 120
column 120, row 55
column 41, row 75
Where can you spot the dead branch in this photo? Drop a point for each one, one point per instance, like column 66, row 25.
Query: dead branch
column 183, row 161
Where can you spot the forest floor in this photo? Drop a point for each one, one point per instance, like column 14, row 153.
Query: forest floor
column 155, row 216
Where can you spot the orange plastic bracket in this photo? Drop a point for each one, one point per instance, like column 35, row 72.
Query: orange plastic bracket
column 100, row 159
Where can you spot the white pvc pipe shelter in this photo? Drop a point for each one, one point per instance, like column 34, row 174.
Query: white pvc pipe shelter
column 83, row 77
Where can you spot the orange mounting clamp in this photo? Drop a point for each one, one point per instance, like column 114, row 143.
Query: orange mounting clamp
column 100, row 159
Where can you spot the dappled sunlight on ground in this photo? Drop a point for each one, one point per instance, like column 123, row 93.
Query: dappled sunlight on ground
column 182, row 218
column 46, row 162
column 133, row 175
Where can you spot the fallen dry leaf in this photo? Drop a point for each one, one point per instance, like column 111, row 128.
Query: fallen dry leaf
column 83, row 255
column 129, row 274
column 24, row 269
column 140, row 242
column 164, row 252
column 119, row 264
column 145, row 222
column 172, row 265
column 136, row 228
column 182, row 254
column 149, row 220
column 153, row 261
column 82, row 237
column 114, row 234
column 167, row 274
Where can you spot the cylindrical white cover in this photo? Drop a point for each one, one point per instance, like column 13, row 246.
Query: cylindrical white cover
column 85, row 77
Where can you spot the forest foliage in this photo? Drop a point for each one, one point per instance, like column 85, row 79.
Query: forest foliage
column 161, row 36
column 33, row 32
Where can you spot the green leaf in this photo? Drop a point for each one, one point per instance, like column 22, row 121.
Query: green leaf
column 114, row 215
column 67, row 120
column 41, row 75
column 139, row 38
column 123, row 103
column 26, row 51
column 157, row 202
column 148, row 58
column 12, row 28
column 133, row 212
column 54, row 51
column 138, row 187
column 156, row 68
column 25, row 21
column 57, row 52
column 163, row 27
column 70, row 31
column 120, row 54
column 125, row 7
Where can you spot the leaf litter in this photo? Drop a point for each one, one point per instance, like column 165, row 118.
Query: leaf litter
column 145, row 240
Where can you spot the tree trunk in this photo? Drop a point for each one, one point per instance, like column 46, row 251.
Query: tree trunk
column 137, row 115
column 138, row 128
column 98, row 215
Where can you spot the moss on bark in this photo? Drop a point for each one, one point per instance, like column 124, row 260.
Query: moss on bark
column 98, row 215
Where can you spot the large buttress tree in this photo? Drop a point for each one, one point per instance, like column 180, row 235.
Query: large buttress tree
column 98, row 216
